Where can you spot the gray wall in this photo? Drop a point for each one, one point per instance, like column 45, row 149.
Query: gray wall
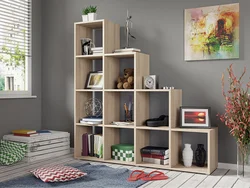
column 26, row 113
column 158, row 26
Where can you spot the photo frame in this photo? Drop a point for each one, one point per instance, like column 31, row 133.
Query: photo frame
column 195, row 117
column 94, row 80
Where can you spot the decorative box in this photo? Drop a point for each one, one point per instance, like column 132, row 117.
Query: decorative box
column 123, row 152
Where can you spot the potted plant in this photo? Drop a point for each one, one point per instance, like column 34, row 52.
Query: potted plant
column 237, row 118
column 92, row 13
column 85, row 12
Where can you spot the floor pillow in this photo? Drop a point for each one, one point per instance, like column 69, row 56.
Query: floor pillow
column 11, row 152
column 57, row 173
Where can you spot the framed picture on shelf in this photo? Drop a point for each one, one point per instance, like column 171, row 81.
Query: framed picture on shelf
column 94, row 80
column 195, row 117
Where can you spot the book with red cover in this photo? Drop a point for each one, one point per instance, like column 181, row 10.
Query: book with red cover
column 27, row 135
column 155, row 156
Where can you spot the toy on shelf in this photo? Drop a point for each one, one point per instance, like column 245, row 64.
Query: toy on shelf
column 127, row 81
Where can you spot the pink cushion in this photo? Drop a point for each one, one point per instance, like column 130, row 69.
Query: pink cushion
column 57, row 173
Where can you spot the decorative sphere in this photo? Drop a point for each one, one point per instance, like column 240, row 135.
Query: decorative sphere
column 93, row 107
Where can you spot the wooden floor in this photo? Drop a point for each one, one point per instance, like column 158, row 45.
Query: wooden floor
column 220, row 178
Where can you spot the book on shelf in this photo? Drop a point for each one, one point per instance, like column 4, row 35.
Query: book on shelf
column 155, row 150
column 26, row 135
column 24, row 131
column 91, row 120
column 127, row 50
column 92, row 145
column 155, row 156
column 155, row 161
column 91, row 123
column 43, row 132
column 122, row 123
column 85, row 144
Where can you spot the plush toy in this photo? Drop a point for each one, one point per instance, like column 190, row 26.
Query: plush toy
column 127, row 81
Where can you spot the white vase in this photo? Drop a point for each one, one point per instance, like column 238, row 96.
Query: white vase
column 84, row 18
column 187, row 155
column 92, row 16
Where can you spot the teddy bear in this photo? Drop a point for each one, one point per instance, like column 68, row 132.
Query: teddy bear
column 127, row 81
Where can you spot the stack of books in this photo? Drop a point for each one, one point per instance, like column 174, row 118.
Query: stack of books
column 92, row 145
column 97, row 50
column 91, row 120
column 25, row 132
column 155, row 155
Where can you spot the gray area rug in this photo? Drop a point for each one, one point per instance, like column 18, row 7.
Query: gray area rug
column 98, row 176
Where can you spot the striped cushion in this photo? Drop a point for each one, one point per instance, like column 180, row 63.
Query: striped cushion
column 11, row 152
column 57, row 173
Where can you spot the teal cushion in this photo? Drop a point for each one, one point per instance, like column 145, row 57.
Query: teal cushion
column 11, row 152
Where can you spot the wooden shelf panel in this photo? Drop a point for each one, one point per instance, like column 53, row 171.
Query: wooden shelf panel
column 120, row 126
column 89, row 90
column 193, row 168
column 161, row 128
column 93, row 24
column 121, row 55
column 93, row 57
column 119, row 90
column 90, row 158
column 151, row 165
column 119, row 162
column 153, row 90
column 193, row 130
column 84, row 125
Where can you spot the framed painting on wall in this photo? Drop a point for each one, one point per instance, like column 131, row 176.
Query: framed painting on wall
column 212, row 32
column 195, row 117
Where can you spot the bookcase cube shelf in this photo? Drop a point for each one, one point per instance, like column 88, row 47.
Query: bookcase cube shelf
column 115, row 67
column 112, row 64
column 112, row 136
column 144, row 137
column 212, row 149
column 113, row 105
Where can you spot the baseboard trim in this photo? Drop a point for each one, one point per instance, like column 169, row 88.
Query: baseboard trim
column 230, row 166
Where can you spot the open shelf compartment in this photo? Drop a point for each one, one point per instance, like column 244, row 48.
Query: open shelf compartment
column 114, row 107
column 208, row 137
column 107, row 32
column 114, row 136
column 149, row 138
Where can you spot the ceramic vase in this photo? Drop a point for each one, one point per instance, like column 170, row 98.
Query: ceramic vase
column 200, row 155
column 187, row 155
column 92, row 16
column 84, row 18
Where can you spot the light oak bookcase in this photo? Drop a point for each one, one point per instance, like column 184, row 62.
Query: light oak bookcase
column 111, row 103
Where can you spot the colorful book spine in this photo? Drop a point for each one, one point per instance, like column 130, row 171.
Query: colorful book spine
column 155, row 156
column 26, row 135
column 24, row 131
column 155, row 161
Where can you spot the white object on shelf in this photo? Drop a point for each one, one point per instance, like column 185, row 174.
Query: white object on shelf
column 127, row 50
column 122, row 123
column 92, row 16
column 187, row 155
column 84, row 18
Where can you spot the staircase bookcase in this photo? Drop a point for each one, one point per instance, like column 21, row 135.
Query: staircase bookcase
column 111, row 97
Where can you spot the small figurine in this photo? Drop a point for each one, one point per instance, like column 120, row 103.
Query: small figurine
column 128, row 26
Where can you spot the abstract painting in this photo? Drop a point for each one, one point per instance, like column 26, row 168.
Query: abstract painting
column 212, row 32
